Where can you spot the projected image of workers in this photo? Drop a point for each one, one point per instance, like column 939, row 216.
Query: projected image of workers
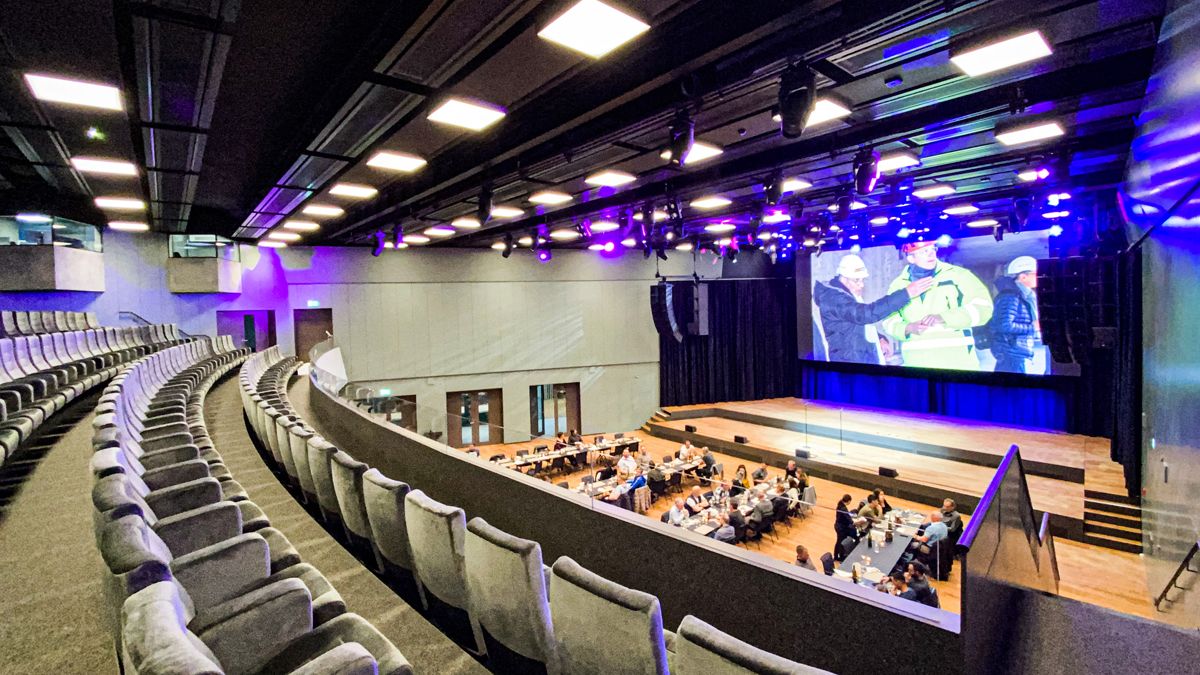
column 1015, row 329
column 848, row 320
column 934, row 330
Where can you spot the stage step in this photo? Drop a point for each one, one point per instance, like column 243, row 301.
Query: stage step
column 1105, row 506
column 1111, row 542
column 1118, row 531
column 1110, row 497
column 1112, row 519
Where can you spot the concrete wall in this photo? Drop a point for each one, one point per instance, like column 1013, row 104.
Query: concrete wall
column 47, row 268
column 204, row 275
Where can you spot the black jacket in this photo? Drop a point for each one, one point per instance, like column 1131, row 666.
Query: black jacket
column 1012, row 326
column 843, row 524
column 843, row 318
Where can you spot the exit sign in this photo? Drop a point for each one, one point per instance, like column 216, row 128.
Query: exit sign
column 314, row 303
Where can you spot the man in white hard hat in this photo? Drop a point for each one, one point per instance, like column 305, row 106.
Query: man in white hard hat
column 1014, row 324
column 849, row 320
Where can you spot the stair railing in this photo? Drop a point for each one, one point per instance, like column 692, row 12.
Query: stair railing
column 143, row 321
column 1185, row 566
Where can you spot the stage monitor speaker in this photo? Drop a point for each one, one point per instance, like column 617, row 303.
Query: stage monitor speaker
column 888, row 473
column 740, row 439
column 662, row 309
column 803, row 454
column 689, row 428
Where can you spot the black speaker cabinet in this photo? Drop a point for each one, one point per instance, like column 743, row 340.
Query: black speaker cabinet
column 689, row 428
column 803, row 454
column 888, row 473
column 662, row 309
column 740, row 439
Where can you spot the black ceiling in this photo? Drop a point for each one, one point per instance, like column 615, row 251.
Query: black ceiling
column 240, row 113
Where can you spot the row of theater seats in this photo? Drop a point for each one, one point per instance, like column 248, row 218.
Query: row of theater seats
column 14, row 323
column 196, row 579
column 41, row 374
column 482, row 586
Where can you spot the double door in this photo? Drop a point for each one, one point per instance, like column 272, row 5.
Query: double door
column 474, row 417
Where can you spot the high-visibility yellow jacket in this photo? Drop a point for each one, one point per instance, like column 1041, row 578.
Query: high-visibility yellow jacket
column 963, row 302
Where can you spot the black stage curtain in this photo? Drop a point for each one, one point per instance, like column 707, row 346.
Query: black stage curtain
column 749, row 353
column 1127, row 372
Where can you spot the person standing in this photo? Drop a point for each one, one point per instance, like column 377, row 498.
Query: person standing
column 1015, row 324
column 849, row 320
column 934, row 329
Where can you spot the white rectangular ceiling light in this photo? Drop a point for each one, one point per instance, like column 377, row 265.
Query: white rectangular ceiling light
column 284, row 236
column 120, row 204
column 506, row 212
column 700, row 152
column 933, row 191
column 111, row 167
column 128, row 226
column 795, row 185
column 963, row 210
column 74, row 92
column 465, row 223
column 270, row 243
column 592, row 27
column 323, row 210
column 301, row 226
column 897, row 160
column 658, row 215
column 1039, row 131
column 713, row 202
column 466, row 114
column 396, row 161
column 826, row 110
column 550, row 197
column 610, row 178
column 1003, row 54
column 440, row 231
column 353, row 190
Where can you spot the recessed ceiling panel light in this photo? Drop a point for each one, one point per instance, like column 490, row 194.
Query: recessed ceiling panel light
column 473, row 115
column 778, row 216
column 711, row 202
column 610, row 178
column 128, row 226
column 103, row 166
column 550, row 197
column 826, row 110
column 120, row 203
column 525, row 241
column 283, row 236
column 33, row 218
column 700, row 152
column 465, row 224
column 301, row 226
column 795, row 185
column 506, row 212
column 498, row 246
column 934, row 191
column 963, row 210
column 396, row 161
column 269, row 243
column 323, row 210
column 629, row 242
column 353, row 190
column 1016, row 134
column 74, row 92
column 564, row 235
column 983, row 222
column 415, row 239
column 854, row 206
column 897, row 160
column 602, row 226
column 879, row 220
column 592, row 27
column 718, row 228
column 441, row 231
column 684, row 246
column 1000, row 55
column 659, row 215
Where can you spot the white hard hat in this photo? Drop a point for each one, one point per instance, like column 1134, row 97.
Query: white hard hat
column 1022, row 264
column 852, row 267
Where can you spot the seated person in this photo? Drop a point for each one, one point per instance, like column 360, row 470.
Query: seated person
column 792, row 473
column 779, row 494
column 919, row 589
column 678, row 512
column 803, row 559
column 635, row 482
column 951, row 517
column 710, row 461
column 800, row 481
column 696, row 502
column 931, row 532
column 871, row 510
column 760, row 474
column 685, row 451
column 844, row 526
column 574, row 437
column 605, row 473
column 655, row 474
column 895, row 584
column 627, row 464
column 884, row 506
column 764, row 508
column 560, row 441
column 736, row 517
column 741, row 480
column 720, row 493
column 725, row 532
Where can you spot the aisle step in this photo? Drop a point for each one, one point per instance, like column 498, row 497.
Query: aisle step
column 1090, row 504
column 1090, row 516
column 1111, row 542
column 1111, row 497
column 1118, row 531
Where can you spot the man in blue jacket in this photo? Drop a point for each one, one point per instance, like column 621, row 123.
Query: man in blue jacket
column 1014, row 324
column 848, row 320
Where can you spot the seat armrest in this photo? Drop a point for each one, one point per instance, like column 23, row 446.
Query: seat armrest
column 216, row 573
column 167, row 441
column 244, row 632
column 176, row 474
column 193, row 530
column 175, row 455
column 174, row 499
column 349, row 658
column 669, row 638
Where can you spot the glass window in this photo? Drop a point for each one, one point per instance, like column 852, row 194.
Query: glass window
column 35, row 229
column 203, row 246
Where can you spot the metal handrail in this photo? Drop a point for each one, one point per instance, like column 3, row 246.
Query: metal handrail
column 1186, row 565
column 143, row 321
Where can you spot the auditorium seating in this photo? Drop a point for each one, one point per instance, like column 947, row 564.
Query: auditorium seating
column 18, row 323
column 518, row 614
column 199, row 580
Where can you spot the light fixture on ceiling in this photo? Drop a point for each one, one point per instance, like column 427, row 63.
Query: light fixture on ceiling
column 564, row 234
column 681, row 137
column 983, row 222
column 610, row 178
column 602, row 226
column 795, row 185
column 710, row 202
column 700, row 152
column 74, row 92
column 34, row 218
column 120, row 203
column 323, row 210
column 269, row 243
column 283, row 236
column 550, row 197
column 963, row 210
column 629, row 242
column 473, row 115
column 301, row 225
column 1033, row 174
column 827, row 109
column 853, row 204
column 381, row 243
column 866, row 171
column 879, row 220
column 934, row 191
column 593, row 28
column 525, row 241
column 128, row 226
column 354, row 190
column 508, row 246
column 1020, row 131
column 110, row 167
column 975, row 59
column 506, row 212
column 776, row 216
column 684, row 246
column 465, row 223
column 893, row 161
column 797, row 98
column 719, row 228
column 499, row 246
column 773, row 188
column 396, row 161
column 95, row 134
column 415, row 239
column 441, row 231
column 659, row 215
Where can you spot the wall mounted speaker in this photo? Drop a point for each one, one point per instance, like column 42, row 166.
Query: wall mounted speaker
column 740, row 439
column 689, row 428
column 662, row 309
column 888, row 473
column 803, row 454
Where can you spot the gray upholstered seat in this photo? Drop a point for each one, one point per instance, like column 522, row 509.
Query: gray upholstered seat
column 348, row 486
column 701, row 649
column 384, row 499
column 506, row 590
column 298, row 437
column 593, row 615
column 320, row 457
column 436, row 533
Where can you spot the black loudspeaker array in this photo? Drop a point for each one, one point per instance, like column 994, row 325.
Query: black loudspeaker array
column 1077, row 306
column 679, row 309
